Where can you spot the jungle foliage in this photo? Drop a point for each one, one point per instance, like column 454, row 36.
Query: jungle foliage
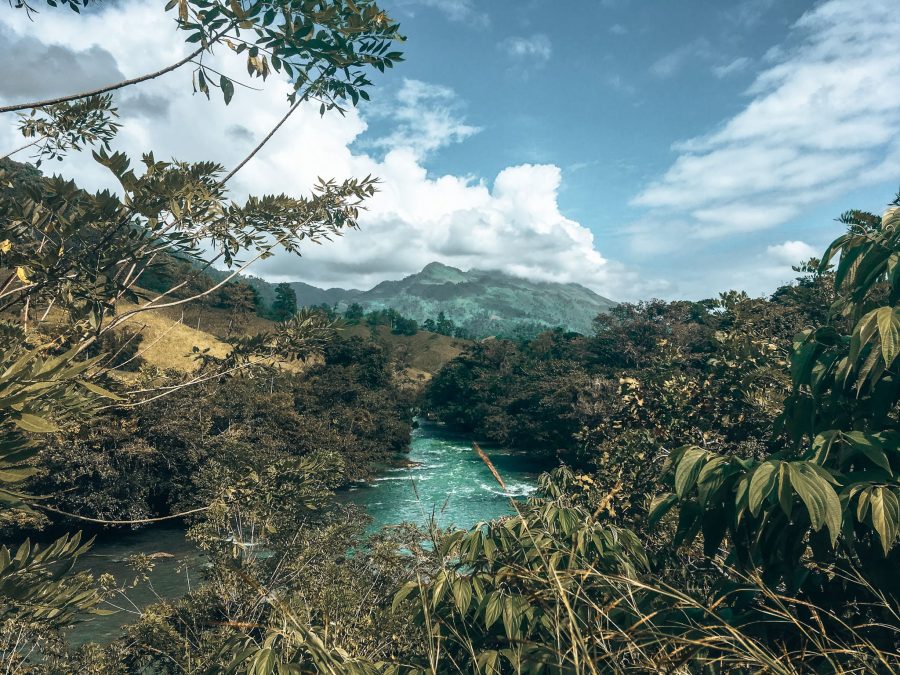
column 729, row 502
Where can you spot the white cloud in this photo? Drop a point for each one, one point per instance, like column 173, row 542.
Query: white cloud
column 618, row 29
column 535, row 49
column 748, row 13
column 455, row 10
column 677, row 59
column 736, row 66
column 791, row 252
column 823, row 119
column 426, row 118
column 513, row 223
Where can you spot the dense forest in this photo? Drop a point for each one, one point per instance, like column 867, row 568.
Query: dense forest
column 725, row 490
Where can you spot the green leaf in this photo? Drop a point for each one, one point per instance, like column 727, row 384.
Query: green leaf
column 227, row 88
column 862, row 506
column 16, row 475
column 100, row 391
column 870, row 447
column 885, row 516
column 821, row 501
column 785, row 496
column 712, row 476
column 493, row 609
column 761, row 485
column 888, row 319
column 488, row 661
column 659, row 507
column 688, row 469
column 403, row 593
column 35, row 424
column 462, row 594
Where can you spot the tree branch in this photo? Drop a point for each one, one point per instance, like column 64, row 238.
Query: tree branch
column 112, row 87
column 19, row 149
column 262, row 142
column 101, row 521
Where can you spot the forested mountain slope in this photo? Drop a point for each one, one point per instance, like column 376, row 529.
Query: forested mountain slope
column 484, row 302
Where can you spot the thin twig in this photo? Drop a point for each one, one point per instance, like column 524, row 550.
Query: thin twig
column 139, row 521
column 262, row 142
column 112, row 87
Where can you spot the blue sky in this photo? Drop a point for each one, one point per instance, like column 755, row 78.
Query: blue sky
column 641, row 148
column 605, row 90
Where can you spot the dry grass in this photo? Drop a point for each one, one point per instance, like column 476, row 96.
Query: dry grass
column 168, row 342
column 216, row 322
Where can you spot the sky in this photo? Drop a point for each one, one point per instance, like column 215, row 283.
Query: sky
column 642, row 148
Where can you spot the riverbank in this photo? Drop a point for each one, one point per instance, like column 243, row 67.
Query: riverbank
column 172, row 563
column 441, row 477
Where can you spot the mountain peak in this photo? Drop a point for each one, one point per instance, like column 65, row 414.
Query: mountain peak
column 436, row 272
column 435, row 265
column 482, row 302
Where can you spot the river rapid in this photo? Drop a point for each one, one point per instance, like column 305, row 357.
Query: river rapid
column 441, row 476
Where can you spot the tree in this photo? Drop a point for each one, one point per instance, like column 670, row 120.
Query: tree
column 829, row 499
column 404, row 326
column 241, row 301
column 354, row 314
column 84, row 255
column 285, row 305
column 443, row 325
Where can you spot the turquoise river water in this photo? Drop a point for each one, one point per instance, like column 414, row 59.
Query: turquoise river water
column 441, row 476
column 445, row 477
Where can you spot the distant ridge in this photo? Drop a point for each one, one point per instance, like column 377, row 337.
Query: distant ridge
column 485, row 302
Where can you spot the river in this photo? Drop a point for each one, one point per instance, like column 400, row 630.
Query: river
column 445, row 476
column 441, row 475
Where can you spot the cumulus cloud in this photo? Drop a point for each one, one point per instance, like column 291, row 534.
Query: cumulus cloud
column 535, row 49
column 426, row 117
column 822, row 119
column 514, row 225
column 510, row 222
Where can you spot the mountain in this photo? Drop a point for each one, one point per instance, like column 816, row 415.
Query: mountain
column 484, row 302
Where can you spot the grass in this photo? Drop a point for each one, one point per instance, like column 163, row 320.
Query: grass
column 168, row 341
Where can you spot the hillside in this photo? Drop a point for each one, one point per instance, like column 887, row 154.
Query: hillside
column 483, row 302
column 169, row 336
column 417, row 358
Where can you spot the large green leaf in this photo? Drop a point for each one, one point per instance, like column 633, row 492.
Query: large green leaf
column 660, row 505
column 35, row 424
column 888, row 319
column 885, row 516
column 493, row 609
column 761, row 485
column 462, row 593
column 688, row 469
column 869, row 446
column 817, row 494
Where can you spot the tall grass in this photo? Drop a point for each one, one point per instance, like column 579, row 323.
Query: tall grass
column 593, row 621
